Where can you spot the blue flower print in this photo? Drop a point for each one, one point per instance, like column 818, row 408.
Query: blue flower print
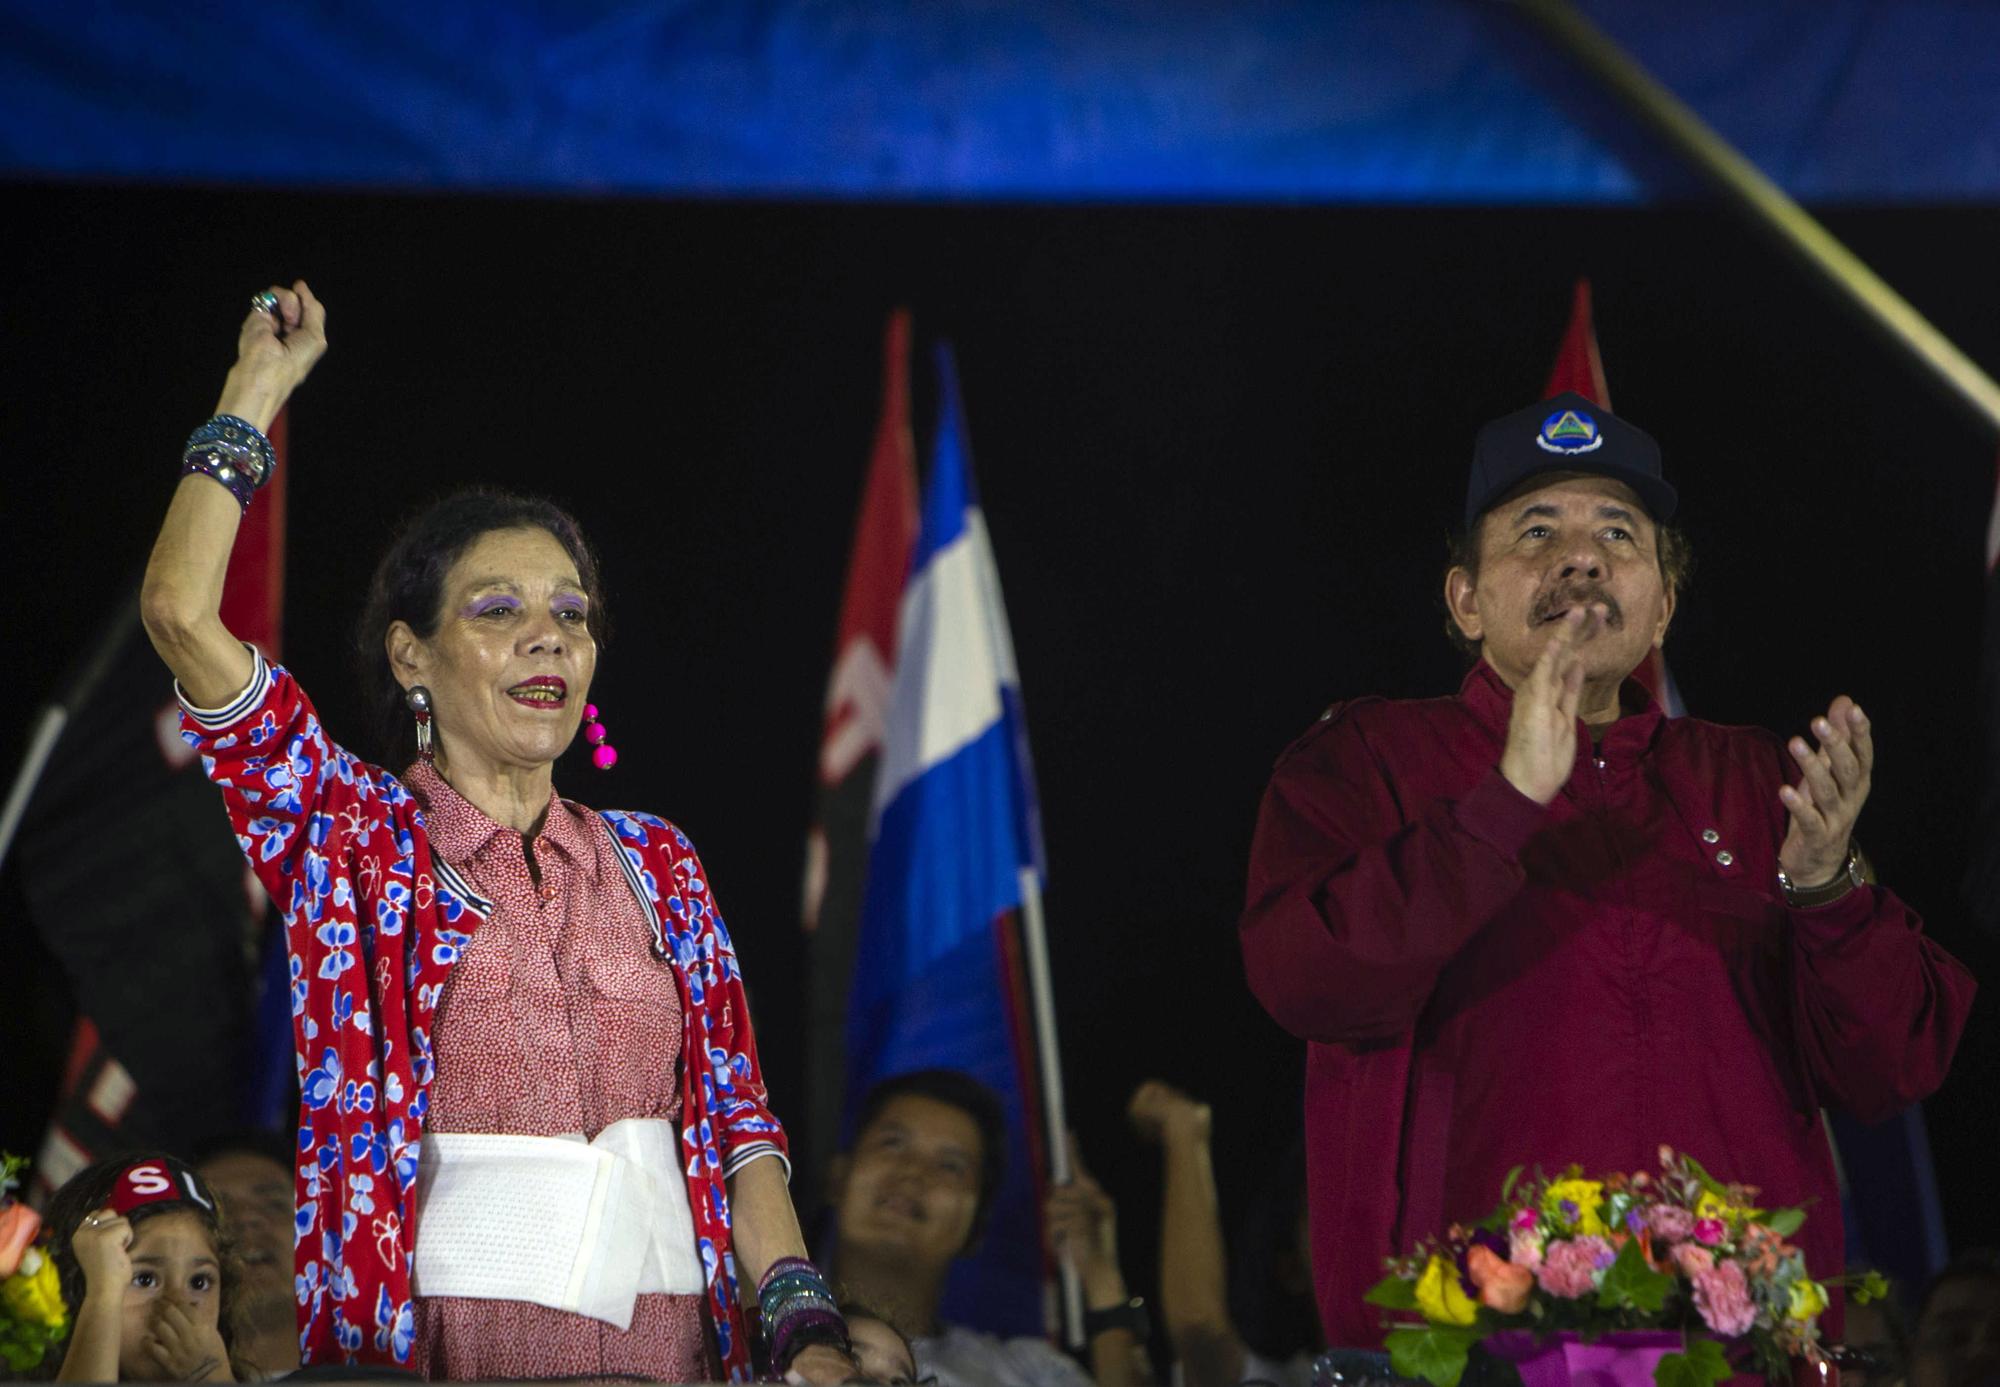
column 357, row 1097
column 449, row 905
column 371, row 1146
column 323, row 1083
column 303, row 1219
column 319, row 827
column 343, row 893
column 266, row 728
column 348, row 1336
column 306, row 1285
column 341, row 1281
column 361, row 1193
column 391, row 909
column 274, row 833
column 421, row 1063
column 392, row 1091
column 297, row 967
column 339, row 937
column 343, row 1010
column 395, row 1326
column 451, row 944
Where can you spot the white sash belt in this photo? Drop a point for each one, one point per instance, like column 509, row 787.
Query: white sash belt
column 557, row 1221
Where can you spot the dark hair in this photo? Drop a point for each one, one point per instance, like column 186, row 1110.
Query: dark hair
column 1974, row 1264
column 279, row 1147
column 1676, row 556
column 90, row 1189
column 408, row 586
column 1273, row 1318
column 969, row 1096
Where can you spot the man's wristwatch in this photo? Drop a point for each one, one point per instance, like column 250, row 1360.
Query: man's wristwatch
column 1131, row 1315
column 1807, row 897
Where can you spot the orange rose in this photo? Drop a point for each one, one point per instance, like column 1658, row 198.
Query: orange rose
column 1501, row 1285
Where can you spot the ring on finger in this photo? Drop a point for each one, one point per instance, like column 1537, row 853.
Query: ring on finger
column 266, row 302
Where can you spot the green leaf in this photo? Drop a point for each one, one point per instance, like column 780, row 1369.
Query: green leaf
column 1707, row 1181
column 1507, row 1185
column 1435, row 1353
column 1873, row 1286
column 1629, row 1283
column 1703, row 1365
column 1392, row 1293
column 1785, row 1222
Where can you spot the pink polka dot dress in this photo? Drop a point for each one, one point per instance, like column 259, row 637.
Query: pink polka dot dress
column 557, row 1019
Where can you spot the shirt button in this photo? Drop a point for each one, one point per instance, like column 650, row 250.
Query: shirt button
column 548, row 893
column 1709, row 835
column 1600, row 763
column 1725, row 857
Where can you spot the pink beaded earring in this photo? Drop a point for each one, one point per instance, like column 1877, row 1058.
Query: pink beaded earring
column 603, row 755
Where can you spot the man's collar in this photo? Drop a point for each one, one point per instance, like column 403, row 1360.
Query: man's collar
column 1492, row 702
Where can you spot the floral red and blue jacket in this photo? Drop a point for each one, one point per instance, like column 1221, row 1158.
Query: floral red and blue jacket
column 373, row 924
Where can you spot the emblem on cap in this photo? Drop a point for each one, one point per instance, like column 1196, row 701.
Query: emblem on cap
column 1568, row 431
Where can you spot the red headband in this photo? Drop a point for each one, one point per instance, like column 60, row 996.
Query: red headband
column 158, row 1181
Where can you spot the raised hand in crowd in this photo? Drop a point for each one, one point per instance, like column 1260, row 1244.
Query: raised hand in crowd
column 1082, row 1224
column 102, row 1247
column 1194, row 1288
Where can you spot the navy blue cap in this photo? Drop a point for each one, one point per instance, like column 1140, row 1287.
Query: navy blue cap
column 1565, row 433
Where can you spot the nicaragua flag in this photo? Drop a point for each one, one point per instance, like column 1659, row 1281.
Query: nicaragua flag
column 937, row 982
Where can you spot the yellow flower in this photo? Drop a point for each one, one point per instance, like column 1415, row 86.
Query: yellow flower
column 1441, row 1298
column 33, row 1294
column 1713, row 1205
column 1808, row 1299
column 1577, row 1204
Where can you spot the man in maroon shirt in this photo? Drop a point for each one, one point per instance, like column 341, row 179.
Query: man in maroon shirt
column 1539, row 922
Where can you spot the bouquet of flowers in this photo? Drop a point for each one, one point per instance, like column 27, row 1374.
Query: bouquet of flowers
column 32, row 1317
column 1678, row 1251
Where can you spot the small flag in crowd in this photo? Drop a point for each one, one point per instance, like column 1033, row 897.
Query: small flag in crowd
column 938, row 978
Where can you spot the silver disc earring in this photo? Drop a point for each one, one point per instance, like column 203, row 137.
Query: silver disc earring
column 419, row 700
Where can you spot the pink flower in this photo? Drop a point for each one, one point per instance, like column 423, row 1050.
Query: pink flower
column 1569, row 1266
column 1669, row 1224
column 1710, row 1231
column 1692, row 1260
column 1525, row 1220
column 1723, row 1296
column 1524, row 1249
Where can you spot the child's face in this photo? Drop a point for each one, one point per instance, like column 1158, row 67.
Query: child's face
column 881, row 1351
column 173, row 1262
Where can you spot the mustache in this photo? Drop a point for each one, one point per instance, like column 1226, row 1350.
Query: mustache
column 1567, row 595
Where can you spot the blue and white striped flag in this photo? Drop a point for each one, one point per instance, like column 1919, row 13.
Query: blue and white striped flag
column 937, row 980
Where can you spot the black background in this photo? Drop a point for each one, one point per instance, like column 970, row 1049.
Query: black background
column 1219, row 450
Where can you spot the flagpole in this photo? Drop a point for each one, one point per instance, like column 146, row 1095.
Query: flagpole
column 1766, row 203
column 1041, row 993
column 55, row 715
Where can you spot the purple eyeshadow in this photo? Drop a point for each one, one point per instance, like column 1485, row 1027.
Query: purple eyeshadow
column 487, row 604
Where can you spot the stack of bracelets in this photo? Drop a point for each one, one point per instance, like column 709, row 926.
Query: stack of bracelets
column 233, row 452
column 798, row 1310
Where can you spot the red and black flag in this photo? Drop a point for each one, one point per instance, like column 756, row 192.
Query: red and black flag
column 857, row 704
column 135, row 884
